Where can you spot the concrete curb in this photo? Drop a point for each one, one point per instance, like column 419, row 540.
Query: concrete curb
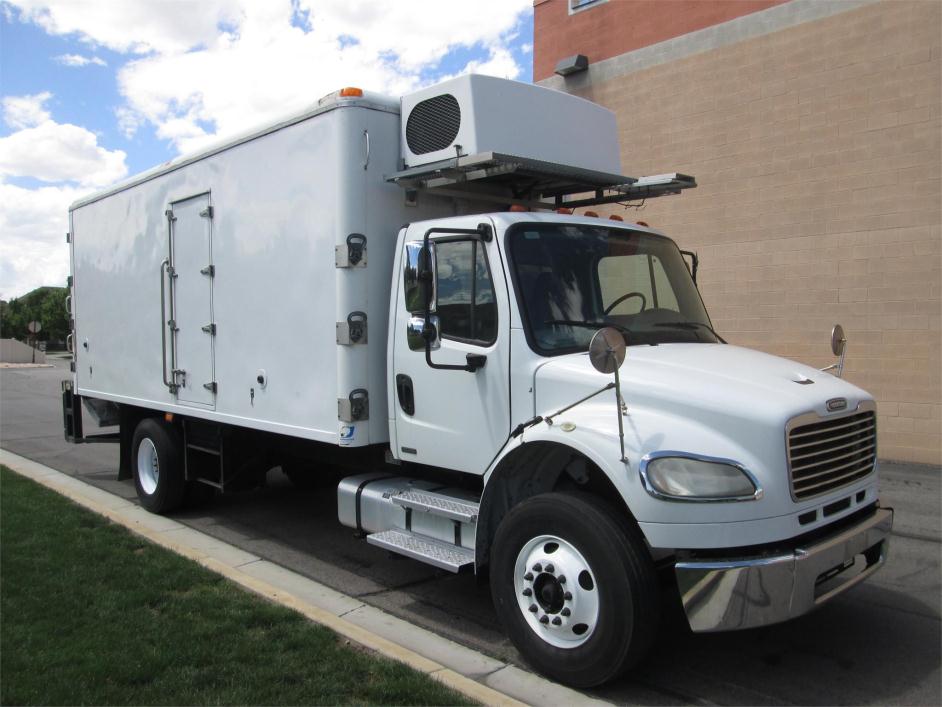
column 473, row 674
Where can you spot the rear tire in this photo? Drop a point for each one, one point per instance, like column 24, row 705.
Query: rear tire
column 157, row 462
column 575, row 587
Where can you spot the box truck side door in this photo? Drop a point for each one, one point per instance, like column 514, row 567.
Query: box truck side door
column 191, row 259
column 456, row 419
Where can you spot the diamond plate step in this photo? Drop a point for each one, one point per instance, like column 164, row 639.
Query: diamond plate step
column 433, row 552
column 438, row 504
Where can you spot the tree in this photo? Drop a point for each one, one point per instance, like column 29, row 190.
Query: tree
column 45, row 305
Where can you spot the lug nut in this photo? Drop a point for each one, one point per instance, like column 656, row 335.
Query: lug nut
column 550, row 568
column 537, row 567
column 561, row 579
column 527, row 592
column 567, row 596
column 557, row 621
column 565, row 612
column 532, row 608
column 528, row 576
column 544, row 619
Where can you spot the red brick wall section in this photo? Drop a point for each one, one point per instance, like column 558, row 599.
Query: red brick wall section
column 618, row 26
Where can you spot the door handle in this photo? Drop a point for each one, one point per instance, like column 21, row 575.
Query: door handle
column 405, row 394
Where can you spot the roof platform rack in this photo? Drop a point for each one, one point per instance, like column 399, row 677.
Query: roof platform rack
column 508, row 179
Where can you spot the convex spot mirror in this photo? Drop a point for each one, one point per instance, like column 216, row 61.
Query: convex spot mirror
column 838, row 340
column 607, row 350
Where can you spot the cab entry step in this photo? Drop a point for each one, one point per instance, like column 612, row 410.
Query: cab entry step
column 438, row 504
column 428, row 550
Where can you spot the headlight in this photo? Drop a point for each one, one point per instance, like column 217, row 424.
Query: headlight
column 689, row 478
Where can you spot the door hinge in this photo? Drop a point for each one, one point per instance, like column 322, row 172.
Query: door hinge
column 353, row 254
column 352, row 331
column 211, row 386
column 172, row 323
column 209, row 270
column 207, row 212
column 355, row 407
column 210, row 329
column 169, row 214
column 68, row 237
column 171, row 271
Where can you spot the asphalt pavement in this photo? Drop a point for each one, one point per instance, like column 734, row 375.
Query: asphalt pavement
column 877, row 644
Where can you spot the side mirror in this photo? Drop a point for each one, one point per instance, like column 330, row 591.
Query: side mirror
column 838, row 341
column 416, row 331
column 692, row 262
column 838, row 348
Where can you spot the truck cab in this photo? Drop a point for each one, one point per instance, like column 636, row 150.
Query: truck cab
column 745, row 479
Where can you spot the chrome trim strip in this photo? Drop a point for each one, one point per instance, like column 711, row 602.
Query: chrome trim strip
column 720, row 595
column 649, row 487
column 809, row 418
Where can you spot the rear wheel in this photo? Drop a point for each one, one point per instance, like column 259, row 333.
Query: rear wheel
column 575, row 587
column 156, row 456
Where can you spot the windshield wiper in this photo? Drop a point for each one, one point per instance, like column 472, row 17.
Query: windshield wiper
column 691, row 325
column 588, row 325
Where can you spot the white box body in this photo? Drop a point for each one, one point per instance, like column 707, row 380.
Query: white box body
column 282, row 200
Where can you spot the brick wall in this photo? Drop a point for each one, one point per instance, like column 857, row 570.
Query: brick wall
column 559, row 34
column 817, row 152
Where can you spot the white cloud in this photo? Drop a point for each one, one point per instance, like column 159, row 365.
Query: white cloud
column 25, row 111
column 79, row 60
column 131, row 26
column 267, row 67
column 33, row 251
column 57, row 152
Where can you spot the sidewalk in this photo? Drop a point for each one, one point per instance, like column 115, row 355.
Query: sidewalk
column 474, row 674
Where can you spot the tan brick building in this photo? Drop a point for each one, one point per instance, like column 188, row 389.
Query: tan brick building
column 813, row 128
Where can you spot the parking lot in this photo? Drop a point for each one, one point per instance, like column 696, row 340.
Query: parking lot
column 878, row 644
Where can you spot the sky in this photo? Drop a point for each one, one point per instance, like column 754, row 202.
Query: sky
column 94, row 91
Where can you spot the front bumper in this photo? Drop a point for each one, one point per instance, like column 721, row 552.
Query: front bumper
column 726, row 595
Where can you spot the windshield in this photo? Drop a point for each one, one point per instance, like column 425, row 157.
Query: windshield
column 575, row 279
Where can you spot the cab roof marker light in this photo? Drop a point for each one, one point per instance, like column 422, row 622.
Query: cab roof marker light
column 615, row 217
column 351, row 92
column 591, row 214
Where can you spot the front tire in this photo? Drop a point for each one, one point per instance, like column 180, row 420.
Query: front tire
column 157, row 460
column 575, row 587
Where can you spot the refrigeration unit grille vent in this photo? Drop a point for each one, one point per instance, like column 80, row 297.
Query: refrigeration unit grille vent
column 433, row 124
column 826, row 455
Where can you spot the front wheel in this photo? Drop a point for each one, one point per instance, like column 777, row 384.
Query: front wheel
column 575, row 587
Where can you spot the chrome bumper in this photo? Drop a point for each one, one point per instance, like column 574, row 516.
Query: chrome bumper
column 744, row 593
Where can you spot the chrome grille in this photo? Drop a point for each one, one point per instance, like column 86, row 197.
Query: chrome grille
column 827, row 454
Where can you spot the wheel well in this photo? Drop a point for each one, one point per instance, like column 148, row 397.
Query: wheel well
column 535, row 468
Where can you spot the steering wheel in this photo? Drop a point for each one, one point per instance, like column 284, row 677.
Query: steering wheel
column 619, row 300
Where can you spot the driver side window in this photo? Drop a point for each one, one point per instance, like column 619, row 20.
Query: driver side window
column 642, row 277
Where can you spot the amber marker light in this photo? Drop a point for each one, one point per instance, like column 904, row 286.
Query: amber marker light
column 168, row 416
column 351, row 92
column 518, row 207
column 615, row 217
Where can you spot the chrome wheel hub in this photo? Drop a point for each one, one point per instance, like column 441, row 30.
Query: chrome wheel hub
column 556, row 591
column 148, row 469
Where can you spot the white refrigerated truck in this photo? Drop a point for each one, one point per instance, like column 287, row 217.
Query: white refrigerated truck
column 399, row 288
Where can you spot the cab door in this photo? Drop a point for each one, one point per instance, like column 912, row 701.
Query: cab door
column 452, row 417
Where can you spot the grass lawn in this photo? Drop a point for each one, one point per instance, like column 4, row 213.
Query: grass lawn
column 91, row 614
